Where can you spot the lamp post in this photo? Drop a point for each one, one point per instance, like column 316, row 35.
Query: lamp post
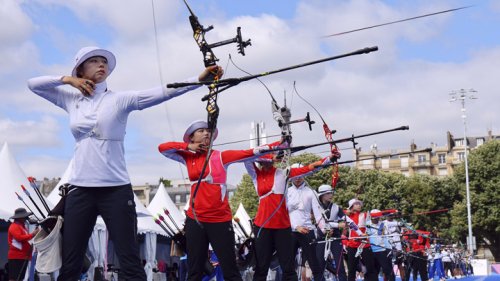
column 461, row 95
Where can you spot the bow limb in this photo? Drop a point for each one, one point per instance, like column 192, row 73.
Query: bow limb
column 209, row 59
column 282, row 116
column 329, row 138
column 212, row 108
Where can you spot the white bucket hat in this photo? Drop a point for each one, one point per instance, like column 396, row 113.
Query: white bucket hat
column 324, row 189
column 198, row 124
column 375, row 213
column 353, row 201
column 88, row 52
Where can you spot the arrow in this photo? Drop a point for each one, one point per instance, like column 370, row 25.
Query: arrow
column 397, row 21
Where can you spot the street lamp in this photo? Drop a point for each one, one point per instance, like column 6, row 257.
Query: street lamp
column 461, row 95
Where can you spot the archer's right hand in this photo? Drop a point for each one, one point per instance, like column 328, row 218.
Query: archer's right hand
column 85, row 86
column 198, row 147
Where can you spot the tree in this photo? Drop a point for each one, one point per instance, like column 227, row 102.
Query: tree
column 385, row 190
column 166, row 182
column 379, row 190
column 484, row 183
column 245, row 194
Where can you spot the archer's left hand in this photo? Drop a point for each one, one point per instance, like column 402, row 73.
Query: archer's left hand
column 210, row 73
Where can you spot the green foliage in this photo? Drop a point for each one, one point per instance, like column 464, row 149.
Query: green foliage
column 383, row 190
column 415, row 195
column 166, row 182
column 484, row 183
column 245, row 194
column 318, row 178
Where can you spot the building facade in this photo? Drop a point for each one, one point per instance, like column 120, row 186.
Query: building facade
column 439, row 161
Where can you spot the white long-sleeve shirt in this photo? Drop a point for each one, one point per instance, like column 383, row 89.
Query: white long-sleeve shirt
column 98, row 124
column 393, row 228
column 331, row 221
column 301, row 202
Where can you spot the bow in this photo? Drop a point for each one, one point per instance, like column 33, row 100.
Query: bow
column 328, row 136
column 282, row 116
column 209, row 59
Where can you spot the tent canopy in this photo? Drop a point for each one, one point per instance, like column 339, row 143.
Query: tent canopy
column 161, row 202
column 11, row 179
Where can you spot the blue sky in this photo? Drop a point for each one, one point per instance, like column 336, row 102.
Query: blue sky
column 405, row 83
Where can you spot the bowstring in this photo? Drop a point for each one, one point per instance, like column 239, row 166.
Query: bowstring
column 286, row 171
column 160, row 70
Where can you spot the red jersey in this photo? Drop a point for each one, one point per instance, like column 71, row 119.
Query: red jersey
column 211, row 203
column 419, row 241
column 359, row 219
column 18, row 237
column 270, row 187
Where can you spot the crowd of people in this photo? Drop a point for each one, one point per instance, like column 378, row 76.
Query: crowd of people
column 292, row 220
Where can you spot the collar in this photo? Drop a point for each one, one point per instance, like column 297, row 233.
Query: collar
column 19, row 223
column 100, row 87
column 300, row 186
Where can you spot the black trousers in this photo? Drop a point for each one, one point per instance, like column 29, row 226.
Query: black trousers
column 383, row 262
column 368, row 261
column 17, row 269
column 448, row 266
column 308, row 252
column 117, row 208
column 338, row 257
column 221, row 236
column 269, row 240
column 419, row 266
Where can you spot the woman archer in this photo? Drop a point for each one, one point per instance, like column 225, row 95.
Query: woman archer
column 210, row 221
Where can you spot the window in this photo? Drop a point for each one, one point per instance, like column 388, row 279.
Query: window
column 404, row 162
column 177, row 198
column 443, row 172
column 367, row 162
column 231, row 193
column 459, row 142
column 394, row 151
column 479, row 141
column 461, row 156
column 442, row 158
column 422, row 158
column 423, row 172
column 385, row 163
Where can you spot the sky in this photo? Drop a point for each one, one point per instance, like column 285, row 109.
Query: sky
column 406, row 82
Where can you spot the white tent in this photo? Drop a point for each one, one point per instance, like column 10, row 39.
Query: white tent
column 147, row 226
column 54, row 194
column 244, row 218
column 11, row 179
column 161, row 202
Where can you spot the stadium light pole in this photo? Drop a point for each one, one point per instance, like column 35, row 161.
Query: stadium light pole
column 461, row 95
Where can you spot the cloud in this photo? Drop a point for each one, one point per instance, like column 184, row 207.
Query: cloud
column 11, row 15
column 44, row 166
column 392, row 87
column 42, row 133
